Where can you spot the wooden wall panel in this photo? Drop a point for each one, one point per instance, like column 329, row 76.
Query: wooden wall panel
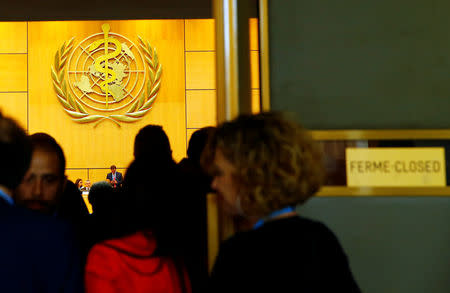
column 74, row 174
column 254, row 69
column 106, row 144
column 200, row 35
column 201, row 108
column 200, row 70
column 14, row 105
column 256, row 98
column 13, row 72
column 254, row 34
column 13, row 37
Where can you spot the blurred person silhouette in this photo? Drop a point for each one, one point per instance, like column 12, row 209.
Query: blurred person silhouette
column 191, row 165
column 151, row 142
column 106, row 212
column 197, row 186
column 71, row 205
column 263, row 166
column 72, row 209
column 37, row 252
column 45, row 188
column 141, row 256
column 152, row 145
column 98, row 196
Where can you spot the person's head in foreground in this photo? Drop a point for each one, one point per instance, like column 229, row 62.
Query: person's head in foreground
column 15, row 149
column 262, row 163
column 43, row 185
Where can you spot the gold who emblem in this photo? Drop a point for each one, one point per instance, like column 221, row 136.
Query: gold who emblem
column 108, row 75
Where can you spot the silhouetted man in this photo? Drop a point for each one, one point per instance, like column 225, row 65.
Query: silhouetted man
column 188, row 211
column 37, row 253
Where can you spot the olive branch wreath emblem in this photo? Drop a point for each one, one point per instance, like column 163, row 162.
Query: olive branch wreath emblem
column 138, row 108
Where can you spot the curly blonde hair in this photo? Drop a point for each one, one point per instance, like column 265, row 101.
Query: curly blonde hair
column 277, row 163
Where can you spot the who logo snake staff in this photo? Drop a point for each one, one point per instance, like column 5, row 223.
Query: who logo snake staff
column 106, row 77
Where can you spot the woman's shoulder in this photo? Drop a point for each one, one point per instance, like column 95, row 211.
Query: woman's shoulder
column 297, row 231
column 284, row 225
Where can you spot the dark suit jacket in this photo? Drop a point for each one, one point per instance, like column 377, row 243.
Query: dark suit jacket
column 37, row 253
column 119, row 178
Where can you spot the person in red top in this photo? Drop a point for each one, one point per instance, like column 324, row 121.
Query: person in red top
column 130, row 264
column 139, row 255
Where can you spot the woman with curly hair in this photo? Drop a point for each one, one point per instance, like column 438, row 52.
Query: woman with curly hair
column 263, row 166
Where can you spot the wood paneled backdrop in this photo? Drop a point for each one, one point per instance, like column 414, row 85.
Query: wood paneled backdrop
column 185, row 103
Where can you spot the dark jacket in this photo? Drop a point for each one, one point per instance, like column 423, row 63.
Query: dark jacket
column 37, row 253
column 285, row 255
column 119, row 178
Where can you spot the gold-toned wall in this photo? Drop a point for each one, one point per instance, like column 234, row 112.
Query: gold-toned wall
column 185, row 103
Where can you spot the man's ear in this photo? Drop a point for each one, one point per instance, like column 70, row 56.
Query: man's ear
column 64, row 182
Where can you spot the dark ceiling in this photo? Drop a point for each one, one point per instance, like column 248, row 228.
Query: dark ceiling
column 21, row 10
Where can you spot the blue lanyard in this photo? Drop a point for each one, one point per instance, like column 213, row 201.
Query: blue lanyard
column 6, row 197
column 273, row 215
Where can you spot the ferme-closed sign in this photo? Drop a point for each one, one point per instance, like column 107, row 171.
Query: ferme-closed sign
column 395, row 167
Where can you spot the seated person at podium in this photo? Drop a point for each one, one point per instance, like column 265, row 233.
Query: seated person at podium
column 79, row 184
column 114, row 177
column 87, row 186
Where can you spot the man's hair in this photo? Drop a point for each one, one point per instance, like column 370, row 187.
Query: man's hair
column 112, row 167
column 197, row 143
column 152, row 142
column 100, row 191
column 43, row 141
column 15, row 149
column 277, row 163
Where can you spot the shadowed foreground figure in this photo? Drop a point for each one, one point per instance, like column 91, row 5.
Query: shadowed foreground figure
column 187, row 203
column 43, row 185
column 37, row 253
column 107, row 209
column 263, row 166
column 140, row 256
column 197, row 186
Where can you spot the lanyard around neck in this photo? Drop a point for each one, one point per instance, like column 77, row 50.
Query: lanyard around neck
column 6, row 197
column 273, row 215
